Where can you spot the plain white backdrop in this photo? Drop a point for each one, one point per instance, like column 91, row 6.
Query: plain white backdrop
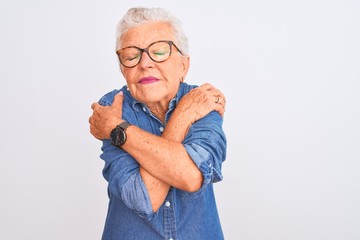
column 290, row 71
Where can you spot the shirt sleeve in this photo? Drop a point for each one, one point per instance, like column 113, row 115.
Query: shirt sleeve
column 206, row 146
column 121, row 171
column 124, row 180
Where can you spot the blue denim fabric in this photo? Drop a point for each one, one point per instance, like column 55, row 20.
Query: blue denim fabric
column 183, row 215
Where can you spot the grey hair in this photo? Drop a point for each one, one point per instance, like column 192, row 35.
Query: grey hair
column 140, row 15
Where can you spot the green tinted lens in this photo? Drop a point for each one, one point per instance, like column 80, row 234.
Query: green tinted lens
column 160, row 51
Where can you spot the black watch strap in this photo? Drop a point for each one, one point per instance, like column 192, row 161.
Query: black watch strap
column 124, row 125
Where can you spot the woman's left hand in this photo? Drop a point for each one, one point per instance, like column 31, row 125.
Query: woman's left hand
column 201, row 101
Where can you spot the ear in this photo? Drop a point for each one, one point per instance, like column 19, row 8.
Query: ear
column 185, row 65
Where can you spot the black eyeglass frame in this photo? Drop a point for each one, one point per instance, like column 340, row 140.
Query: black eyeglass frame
column 142, row 50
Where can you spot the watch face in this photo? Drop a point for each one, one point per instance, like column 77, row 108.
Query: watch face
column 118, row 136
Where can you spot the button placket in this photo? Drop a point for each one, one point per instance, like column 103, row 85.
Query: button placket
column 169, row 217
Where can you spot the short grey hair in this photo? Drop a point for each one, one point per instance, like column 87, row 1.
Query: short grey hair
column 140, row 15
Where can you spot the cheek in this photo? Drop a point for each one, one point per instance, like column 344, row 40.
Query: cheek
column 172, row 71
column 128, row 75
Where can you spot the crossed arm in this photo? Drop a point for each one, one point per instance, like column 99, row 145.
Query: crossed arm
column 163, row 160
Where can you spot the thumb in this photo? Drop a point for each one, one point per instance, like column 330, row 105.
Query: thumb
column 118, row 100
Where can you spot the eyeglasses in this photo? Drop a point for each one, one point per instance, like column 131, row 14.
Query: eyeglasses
column 158, row 51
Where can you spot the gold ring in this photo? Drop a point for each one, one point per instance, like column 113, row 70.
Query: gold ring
column 217, row 100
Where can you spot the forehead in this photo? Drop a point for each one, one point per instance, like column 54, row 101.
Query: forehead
column 147, row 33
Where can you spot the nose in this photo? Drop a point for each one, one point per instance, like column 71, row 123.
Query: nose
column 146, row 61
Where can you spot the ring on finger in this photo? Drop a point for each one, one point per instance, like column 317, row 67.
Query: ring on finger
column 217, row 99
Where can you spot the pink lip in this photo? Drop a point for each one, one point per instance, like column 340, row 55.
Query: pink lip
column 148, row 80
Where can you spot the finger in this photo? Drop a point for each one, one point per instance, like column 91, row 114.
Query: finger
column 92, row 130
column 221, row 95
column 207, row 87
column 220, row 109
column 94, row 105
column 96, row 133
column 118, row 100
column 222, row 100
column 218, row 93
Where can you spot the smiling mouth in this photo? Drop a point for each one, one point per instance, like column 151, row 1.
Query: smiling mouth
column 148, row 80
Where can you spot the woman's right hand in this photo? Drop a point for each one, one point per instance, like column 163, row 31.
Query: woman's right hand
column 201, row 101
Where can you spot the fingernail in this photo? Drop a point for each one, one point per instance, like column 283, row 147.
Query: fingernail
column 121, row 93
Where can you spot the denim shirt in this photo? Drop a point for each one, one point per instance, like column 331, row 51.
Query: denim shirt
column 183, row 215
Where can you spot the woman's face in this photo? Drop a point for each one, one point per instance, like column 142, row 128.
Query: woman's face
column 150, row 82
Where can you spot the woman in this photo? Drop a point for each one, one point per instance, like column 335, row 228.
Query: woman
column 163, row 143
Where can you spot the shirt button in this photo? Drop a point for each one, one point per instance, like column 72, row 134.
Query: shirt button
column 144, row 109
column 167, row 204
column 170, row 239
column 161, row 129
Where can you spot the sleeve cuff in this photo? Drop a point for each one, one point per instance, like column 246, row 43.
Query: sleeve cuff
column 135, row 196
column 202, row 160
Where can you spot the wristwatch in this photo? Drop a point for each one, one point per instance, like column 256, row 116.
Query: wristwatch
column 118, row 134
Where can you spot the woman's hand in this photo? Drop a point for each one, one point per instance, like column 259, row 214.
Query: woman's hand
column 193, row 106
column 201, row 101
column 106, row 118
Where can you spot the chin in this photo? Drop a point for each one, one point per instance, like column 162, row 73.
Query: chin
column 150, row 98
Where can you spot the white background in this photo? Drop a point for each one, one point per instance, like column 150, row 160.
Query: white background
column 290, row 71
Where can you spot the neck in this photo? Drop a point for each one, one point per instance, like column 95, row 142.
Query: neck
column 160, row 108
column 159, row 111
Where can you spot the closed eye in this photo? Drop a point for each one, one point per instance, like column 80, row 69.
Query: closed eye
column 160, row 53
